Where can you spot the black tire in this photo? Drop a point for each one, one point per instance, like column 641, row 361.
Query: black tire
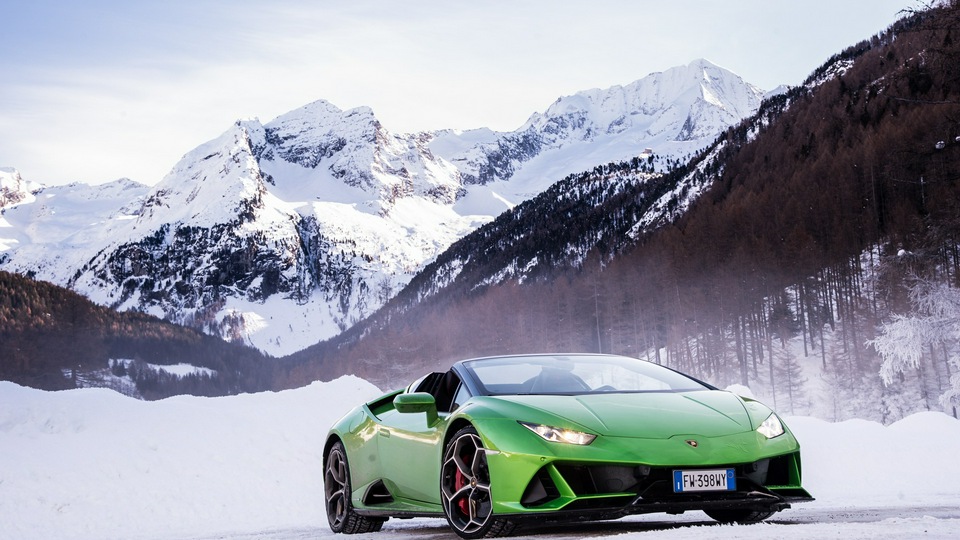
column 336, row 488
column 465, row 489
column 744, row 517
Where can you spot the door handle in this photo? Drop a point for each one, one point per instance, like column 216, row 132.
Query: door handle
column 384, row 433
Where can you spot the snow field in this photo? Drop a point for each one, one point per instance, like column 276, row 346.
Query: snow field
column 93, row 464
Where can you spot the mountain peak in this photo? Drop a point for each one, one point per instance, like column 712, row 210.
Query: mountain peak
column 321, row 115
column 319, row 111
column 679, row 86
column 674, row 113
column 211, row 183
column 14, row 189
column 704, row 64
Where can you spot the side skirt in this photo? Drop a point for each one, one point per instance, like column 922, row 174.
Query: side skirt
column 377, row 501
column 401, row 514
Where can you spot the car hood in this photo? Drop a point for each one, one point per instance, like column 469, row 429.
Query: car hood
column 709, row 413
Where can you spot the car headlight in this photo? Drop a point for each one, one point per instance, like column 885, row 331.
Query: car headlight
column 560, row 435
column 771, row 427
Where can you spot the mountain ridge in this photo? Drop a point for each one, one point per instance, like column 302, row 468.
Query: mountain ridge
column 286, row 233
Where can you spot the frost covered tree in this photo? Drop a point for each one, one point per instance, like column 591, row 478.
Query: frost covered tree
column 791, row 383
column 934, row 324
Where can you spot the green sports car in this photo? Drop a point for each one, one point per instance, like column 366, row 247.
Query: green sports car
column 497, row 442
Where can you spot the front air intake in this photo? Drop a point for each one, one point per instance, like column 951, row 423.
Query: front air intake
column 540, row 490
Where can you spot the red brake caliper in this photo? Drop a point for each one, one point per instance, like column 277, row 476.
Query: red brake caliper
column 459, row 481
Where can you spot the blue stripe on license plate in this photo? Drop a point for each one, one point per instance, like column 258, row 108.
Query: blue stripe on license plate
column 704, row 480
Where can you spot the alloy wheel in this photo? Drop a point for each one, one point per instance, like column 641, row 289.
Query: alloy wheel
column 465, row 485
column 336, row 488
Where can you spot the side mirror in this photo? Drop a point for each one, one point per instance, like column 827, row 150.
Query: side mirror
column 417, row 402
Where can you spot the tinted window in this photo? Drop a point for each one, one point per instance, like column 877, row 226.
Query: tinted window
column 575, row 375
column 460, row 398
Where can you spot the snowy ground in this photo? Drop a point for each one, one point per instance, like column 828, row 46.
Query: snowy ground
column 93, row 464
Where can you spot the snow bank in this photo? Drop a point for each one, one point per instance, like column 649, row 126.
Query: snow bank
column 93, row 464
column 863, row 463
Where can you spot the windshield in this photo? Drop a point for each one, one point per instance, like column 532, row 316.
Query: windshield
column 572, row 374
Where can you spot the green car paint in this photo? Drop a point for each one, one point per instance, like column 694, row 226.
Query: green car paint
column 395, row 446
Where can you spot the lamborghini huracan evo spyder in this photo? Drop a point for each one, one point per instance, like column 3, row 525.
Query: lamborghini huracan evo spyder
column 496, row 442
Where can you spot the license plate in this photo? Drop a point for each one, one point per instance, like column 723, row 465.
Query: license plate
column 709, row 480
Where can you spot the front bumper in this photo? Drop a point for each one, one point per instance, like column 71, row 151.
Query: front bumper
column 571, row 491
column 616, row 477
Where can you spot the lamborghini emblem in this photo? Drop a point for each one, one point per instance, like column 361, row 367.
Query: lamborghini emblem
column 692, row 443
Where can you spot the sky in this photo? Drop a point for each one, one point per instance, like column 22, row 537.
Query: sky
column 102, row 89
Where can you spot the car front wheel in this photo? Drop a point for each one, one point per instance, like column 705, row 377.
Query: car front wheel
column 465, row 488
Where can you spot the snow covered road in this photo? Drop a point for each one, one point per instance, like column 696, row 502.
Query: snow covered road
column 932, row 522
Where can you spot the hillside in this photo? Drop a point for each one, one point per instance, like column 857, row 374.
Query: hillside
column 52, row 338
column 778, row 273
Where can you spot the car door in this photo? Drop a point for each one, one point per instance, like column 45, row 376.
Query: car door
column 410, row 448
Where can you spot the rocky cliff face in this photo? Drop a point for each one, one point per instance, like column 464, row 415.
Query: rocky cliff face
column 13, row 189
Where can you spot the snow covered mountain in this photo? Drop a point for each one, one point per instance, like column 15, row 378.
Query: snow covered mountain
column 286, row 233
column 279, row 234
column 668, row 116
